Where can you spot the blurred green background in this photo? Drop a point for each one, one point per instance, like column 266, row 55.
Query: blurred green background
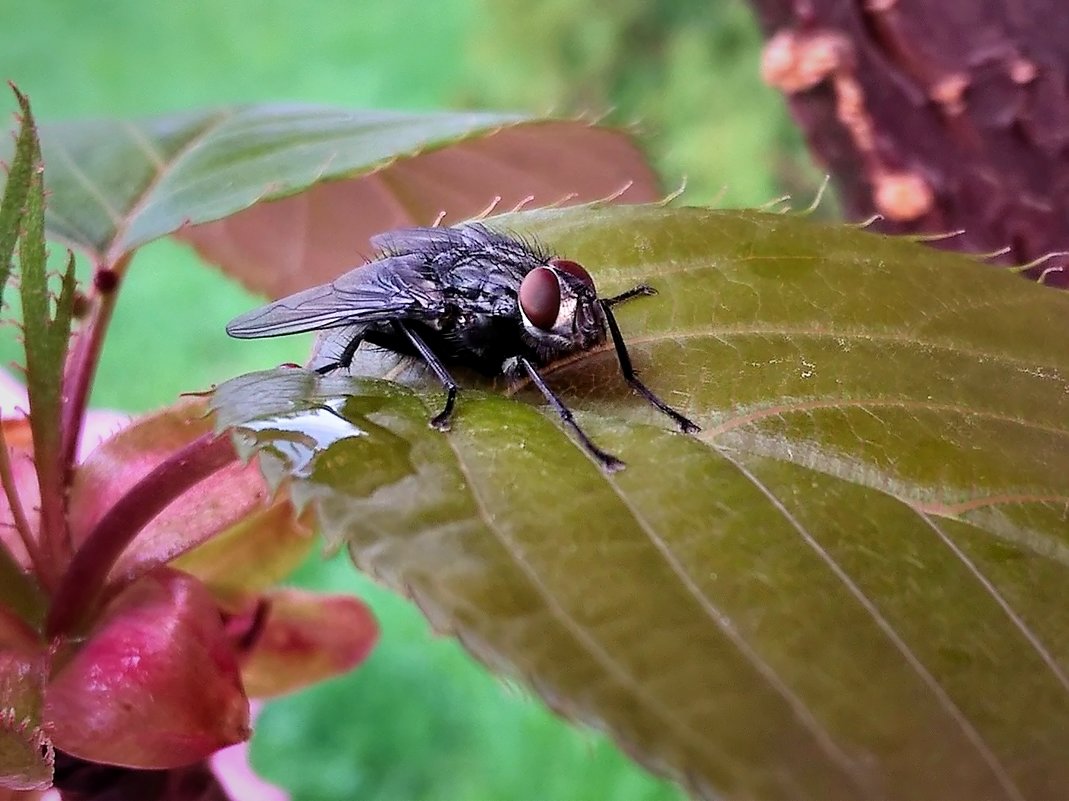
column 420, row 720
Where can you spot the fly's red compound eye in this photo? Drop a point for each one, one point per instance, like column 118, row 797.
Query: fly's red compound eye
column 573, row 268
column 540, row 297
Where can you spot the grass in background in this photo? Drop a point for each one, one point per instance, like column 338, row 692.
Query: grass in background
column 420, row 720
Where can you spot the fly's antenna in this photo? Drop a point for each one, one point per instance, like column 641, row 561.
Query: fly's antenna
column 438, row 219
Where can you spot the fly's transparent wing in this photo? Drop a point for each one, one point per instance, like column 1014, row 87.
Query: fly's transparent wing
column 398, row 287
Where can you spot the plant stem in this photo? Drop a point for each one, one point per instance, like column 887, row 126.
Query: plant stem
column 18, row 514
column 81, row 368
column 81, row 588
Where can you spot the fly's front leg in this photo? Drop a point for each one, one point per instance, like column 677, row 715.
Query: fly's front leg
column 628, row 370
column 608, row 462
column 440, row 420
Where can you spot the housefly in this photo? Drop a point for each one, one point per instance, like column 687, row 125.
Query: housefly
column 464, row 295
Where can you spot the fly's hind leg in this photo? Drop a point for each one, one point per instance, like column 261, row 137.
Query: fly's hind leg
column 345, row 358
column 440, row 420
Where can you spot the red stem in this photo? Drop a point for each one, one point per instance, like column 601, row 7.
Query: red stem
column 81, row 368
column 18, row 514
column 81, row 587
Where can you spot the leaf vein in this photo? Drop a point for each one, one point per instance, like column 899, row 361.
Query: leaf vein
column 86, row 184
column 142, row 143
column 981, row 501
column 583, row 637
column 989, row 587
column 855, row 334
column 798, row 407
column 970, row 732
column 785, row 332
column 211, row 124
column 799, row 708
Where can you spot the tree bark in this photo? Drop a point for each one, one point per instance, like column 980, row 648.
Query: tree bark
column 939, row 115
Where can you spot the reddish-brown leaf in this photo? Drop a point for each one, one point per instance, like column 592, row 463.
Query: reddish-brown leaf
column 284, row 245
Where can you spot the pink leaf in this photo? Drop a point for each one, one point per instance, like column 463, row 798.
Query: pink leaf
column 215, row 504
column 307, row 638
column 155, row 684
column 19, row 441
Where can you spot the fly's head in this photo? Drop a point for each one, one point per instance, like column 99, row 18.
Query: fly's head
column 560, row 309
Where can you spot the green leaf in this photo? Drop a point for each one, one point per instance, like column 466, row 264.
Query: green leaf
column 16, row 188
column 849, row 585
column 46, row 339
column 33, row 278
column 115, row 185
column 44, row 355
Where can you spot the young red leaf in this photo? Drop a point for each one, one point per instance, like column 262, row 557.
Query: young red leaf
column 155, row 684
column 252, row 555
column 217, row 503
column 307, row 638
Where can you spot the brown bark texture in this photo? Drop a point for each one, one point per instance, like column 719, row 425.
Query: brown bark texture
column 939, row 115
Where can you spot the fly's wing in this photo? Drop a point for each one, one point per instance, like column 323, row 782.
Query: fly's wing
column 390, row 288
